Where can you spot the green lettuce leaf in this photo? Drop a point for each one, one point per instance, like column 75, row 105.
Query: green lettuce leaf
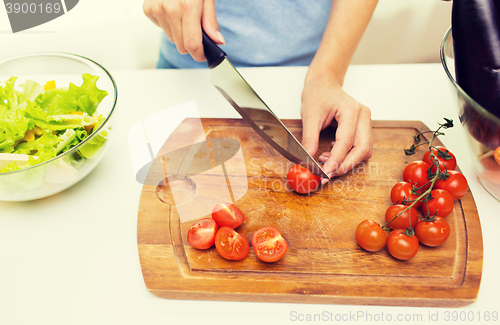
column 8, row 94
column 85, row 98
column 13, row 127
column 66, row 141
column 30, row 92
column 46, row 121
column 43, row 147
column 50, row 116
column 92, row 146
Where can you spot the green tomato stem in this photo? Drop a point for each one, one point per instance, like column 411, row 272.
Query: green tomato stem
column 435, row 161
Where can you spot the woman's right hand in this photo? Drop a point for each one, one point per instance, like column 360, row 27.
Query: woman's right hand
column 181, row 20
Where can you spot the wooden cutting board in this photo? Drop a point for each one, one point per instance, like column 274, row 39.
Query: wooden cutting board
column 324, row 264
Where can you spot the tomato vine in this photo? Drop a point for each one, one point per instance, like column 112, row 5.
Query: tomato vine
column 432, row 185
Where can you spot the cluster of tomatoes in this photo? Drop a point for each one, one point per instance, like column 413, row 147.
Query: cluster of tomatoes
column 431, row 184
column 219, row 230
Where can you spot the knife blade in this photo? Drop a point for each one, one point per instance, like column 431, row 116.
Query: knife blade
column 238, row 92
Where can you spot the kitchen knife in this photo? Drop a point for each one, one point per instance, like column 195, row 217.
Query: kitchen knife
column 253, row 110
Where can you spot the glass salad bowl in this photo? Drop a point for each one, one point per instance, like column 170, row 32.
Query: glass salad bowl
column 56, row 117
column 482, row 128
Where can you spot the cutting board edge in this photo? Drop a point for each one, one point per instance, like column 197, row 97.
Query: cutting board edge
column 314, row 299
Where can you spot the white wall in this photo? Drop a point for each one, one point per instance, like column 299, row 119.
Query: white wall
column 405, row 31
column 116, row 33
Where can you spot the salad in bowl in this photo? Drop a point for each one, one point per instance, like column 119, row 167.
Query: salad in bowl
column 52, row 132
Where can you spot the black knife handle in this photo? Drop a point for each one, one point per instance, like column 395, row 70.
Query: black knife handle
column 213, row 53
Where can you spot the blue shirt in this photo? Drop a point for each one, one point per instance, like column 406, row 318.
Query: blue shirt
column 261, row 33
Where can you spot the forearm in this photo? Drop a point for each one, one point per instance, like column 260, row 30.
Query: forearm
column 347, row 23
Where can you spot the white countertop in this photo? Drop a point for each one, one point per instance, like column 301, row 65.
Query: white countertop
column 72, row 258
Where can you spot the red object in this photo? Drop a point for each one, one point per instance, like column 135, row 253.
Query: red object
column 456, row 184
column 416, row 173
column 402, row 221
column 432, row 233
column 401, row 191
column 401, row 246
column 301, row 180
column 201, row 235
column 370, row 236
column 441, row 205
column 268, row 244
column 230, row 244
column 228, row 215
column 448, row 160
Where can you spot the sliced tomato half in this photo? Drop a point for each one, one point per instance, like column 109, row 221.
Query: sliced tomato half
column 230, row 244
column 201, row 234
column 268, row 244
column 228, row 214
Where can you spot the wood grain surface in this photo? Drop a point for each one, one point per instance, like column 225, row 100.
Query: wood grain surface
column 324, row 264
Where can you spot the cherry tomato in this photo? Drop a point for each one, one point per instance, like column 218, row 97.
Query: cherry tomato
column 301, row 180
column 455, row 184
column 448, row 160
column 268, row 244
column 403, row 221
column 201, row 234
column 432, row 233
column 228, row 214
column 401, row 192
column 230, row 244
column 496, row 155
column 401, row 246
column 370, row 236
column 441, row 204
column 416, row 173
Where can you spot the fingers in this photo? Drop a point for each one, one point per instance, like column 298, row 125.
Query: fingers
column 362, row 148
column 310, row 132
column 324, row 104
column 159, row 12
column 191, row 33
column 149, row 11
column 175, row 17
column 182, row 20
column 344, row 139
column 210, row 24
column 358, row 152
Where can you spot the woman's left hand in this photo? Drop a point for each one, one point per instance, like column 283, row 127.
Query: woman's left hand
column 325, row 103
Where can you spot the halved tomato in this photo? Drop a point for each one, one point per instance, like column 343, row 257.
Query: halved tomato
column 268, row 244
column 230, row 244
column 228, row 215
column 201, row 235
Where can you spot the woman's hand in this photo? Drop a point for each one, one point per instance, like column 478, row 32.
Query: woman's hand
column 180, row 20
column 325, row 103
